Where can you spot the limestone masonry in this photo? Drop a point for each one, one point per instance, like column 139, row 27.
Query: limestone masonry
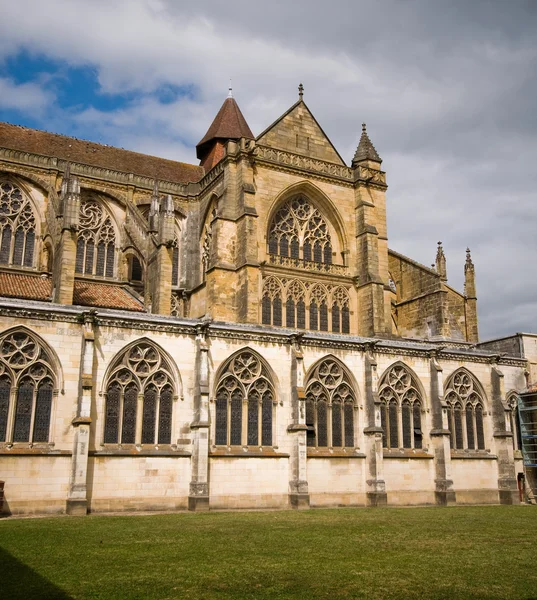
column 236, row 334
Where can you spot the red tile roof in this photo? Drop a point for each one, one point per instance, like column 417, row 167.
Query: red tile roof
column 98, row 155
column 86, row 293
column 229, row 124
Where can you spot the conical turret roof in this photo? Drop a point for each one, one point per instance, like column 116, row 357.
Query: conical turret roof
column 365, row 150
column 229, row 124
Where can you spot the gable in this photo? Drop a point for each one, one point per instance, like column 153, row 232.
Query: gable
column 297, row 131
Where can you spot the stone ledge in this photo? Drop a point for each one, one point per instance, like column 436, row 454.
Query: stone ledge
column 473, row 455
column 134, row 453
column 407, row 454
column 312, row 453
column 239, row 452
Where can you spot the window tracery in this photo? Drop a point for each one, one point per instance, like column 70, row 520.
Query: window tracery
column 400, row 409
column 27, row 387
column 140, row 376
column 95, row 251
column 330, row 406
column 299, row 231
column 465, row 412
column 245, row 403
column 302, row 305
column 17, row 227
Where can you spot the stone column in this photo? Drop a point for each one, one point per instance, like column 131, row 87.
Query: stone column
column 375, row 485
column 77, row 502
column 440, row 437
column 298, row 483
column 198, row 497
column 503, row 436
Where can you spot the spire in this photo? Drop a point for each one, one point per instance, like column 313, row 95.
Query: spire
column 469, row 276
column 154, row 208
column 229, row 124
column 441, row 268
column 365, row 150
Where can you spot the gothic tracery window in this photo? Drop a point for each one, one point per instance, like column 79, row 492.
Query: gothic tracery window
column 299, row 231
column 17, row 227
column 95, row 251
column 140, row 380
column 465, row 412
column 330, row 406
column 27, row 388
column 271, row 304
column 512, row 402
column 400, row 409
column 245, row 401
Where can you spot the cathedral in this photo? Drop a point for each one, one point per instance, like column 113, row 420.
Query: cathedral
column 235, row 333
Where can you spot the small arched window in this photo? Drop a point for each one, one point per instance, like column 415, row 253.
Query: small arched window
column 400, row 410
column 271, row 304
column 17, row 227
column 96, row 245
column 140, row 375
column 27, row 388
column 340, row 311
column 245, row 403
column 330, row 406
column 465, row 412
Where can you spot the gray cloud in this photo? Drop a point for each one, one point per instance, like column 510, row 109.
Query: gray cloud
column 448, row 91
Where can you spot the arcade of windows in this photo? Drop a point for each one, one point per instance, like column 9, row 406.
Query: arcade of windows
column 465, row 413
column 27, row 388
column 330, row 406
column 17, row 227
column 300, row 305
column 400, row 409
column 139, row 397
column 245, row 403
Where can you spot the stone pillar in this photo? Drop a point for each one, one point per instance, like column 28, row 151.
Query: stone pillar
column 503, row 437
column 77, row 502
column 470, row 300
column 375, row 485
column 198, row 497
column 298, row 484
column 161, row 277
column 440, row 437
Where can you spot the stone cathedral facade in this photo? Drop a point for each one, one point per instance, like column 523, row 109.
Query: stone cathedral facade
column 234, row 334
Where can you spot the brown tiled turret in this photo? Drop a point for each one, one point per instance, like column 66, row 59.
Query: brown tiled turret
column 229, row 124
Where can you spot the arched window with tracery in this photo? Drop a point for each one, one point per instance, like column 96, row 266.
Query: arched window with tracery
column 17, row 227
column 139, row 389
column 465, row 412
column 330, row 406
column 271, row 304
column 299, row 231
column 295, row 306
column 340, row 311
column 96, row 245
column 400, row 409
column 514, row 418
column 27, row 388
column 318, row 308
column 245, row 403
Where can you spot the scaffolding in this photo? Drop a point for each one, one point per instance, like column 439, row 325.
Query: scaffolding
column 527, row 414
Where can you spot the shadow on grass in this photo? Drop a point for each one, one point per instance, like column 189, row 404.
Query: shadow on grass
column 19, row 581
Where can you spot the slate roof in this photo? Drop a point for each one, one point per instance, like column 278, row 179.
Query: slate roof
column 365, row 150
column 86, row 293
column 71, row 149
column 229, row 124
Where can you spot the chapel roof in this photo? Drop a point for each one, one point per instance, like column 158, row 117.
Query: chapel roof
column 229, row 124
column 71, row 149
column 86, row 293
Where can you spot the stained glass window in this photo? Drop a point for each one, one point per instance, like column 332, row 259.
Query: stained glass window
column 96, row 241
column 16, row 215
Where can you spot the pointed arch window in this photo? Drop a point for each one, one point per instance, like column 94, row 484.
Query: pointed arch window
column 175, row 261
column 27, row 388
column 400, row 409
column 271, row 304
column 298, row 224
column 465, row 412
column 514, row 419
column 340, row 311
column 139, row 398
column 245, row 403
column 17, row 227
column 96, row 244
column 330, row 406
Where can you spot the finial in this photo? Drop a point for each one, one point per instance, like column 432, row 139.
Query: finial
column 67, row 172
column 441, row 262
column 300, row 91
column 440, row 244
column 469, row 263
column 230, row 90
column 363, row 127
column 155, row 188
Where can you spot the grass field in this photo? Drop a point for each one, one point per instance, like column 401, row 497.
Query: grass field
column 474, row 552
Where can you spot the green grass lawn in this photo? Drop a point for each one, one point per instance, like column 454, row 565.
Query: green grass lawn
column 474, row 552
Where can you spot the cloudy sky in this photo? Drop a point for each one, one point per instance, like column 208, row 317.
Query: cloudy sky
column 448, row 91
